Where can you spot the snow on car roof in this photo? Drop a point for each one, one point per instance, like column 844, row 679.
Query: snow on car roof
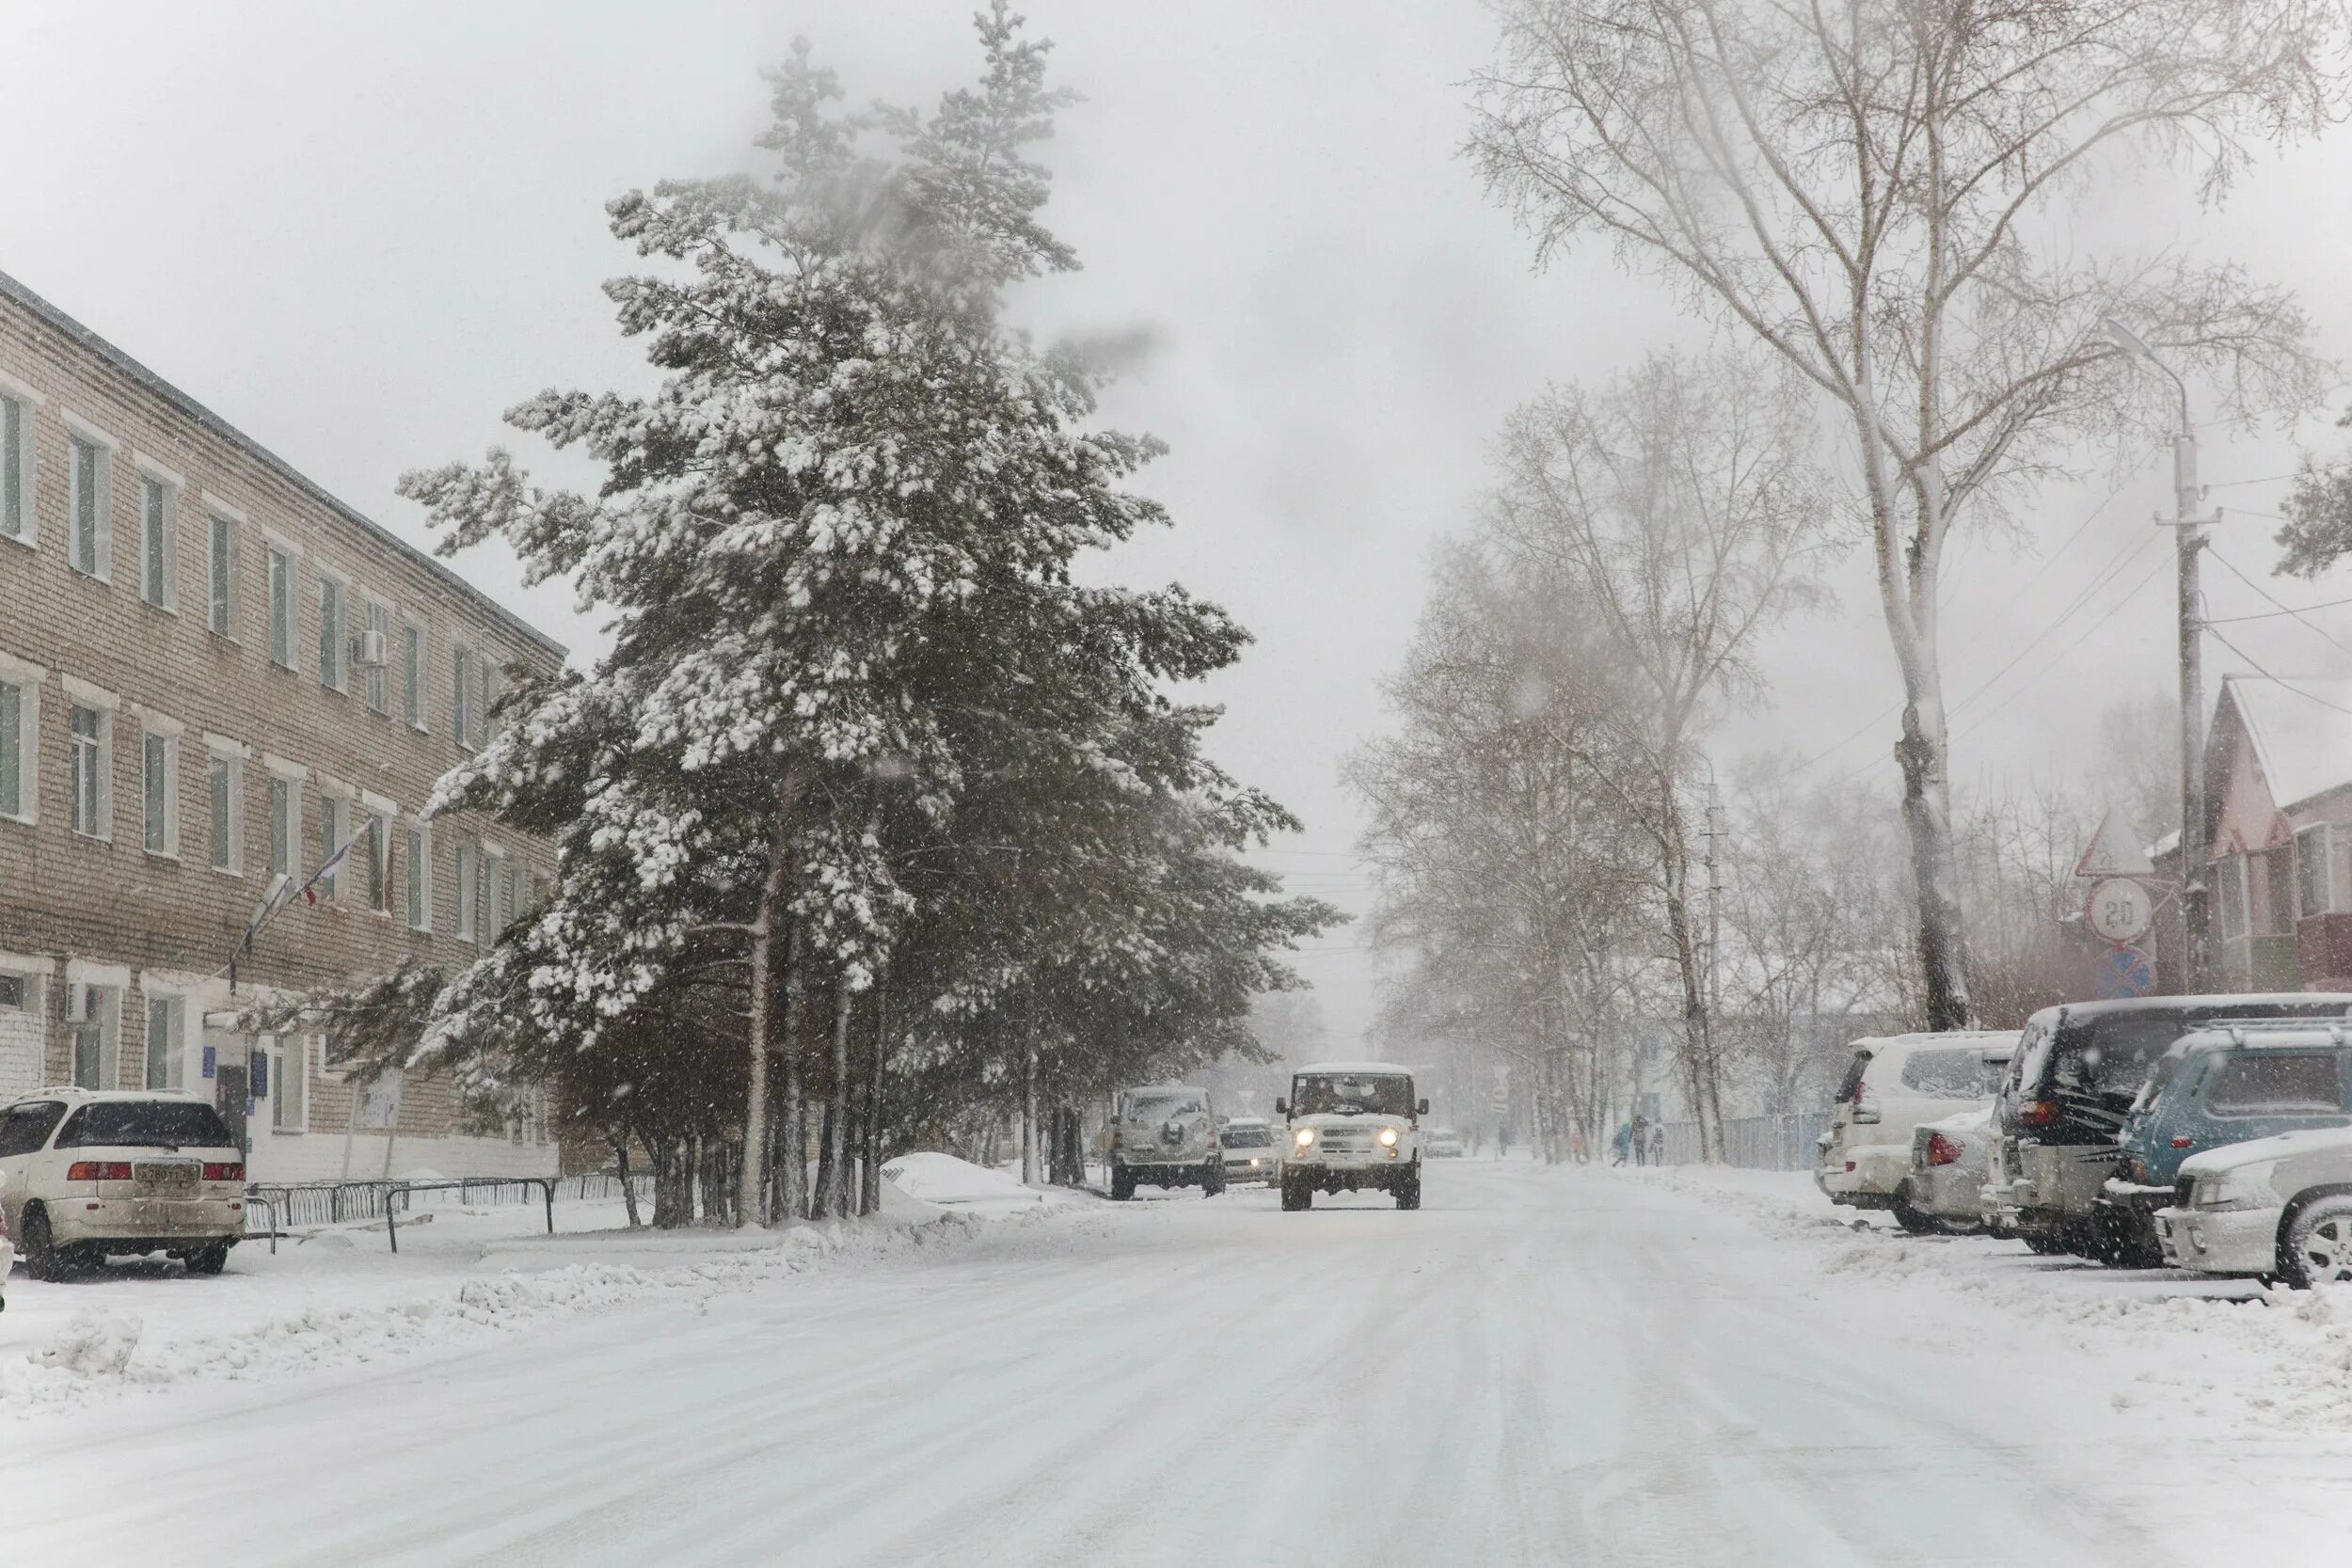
column 2217, row 1004
column 1358, row 1067
column 1983, row 1039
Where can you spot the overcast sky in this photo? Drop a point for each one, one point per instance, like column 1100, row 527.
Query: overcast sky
column 360, row 232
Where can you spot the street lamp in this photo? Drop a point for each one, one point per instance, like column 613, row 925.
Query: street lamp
column 2189, row 538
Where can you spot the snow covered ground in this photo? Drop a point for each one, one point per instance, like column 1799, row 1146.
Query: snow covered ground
column 1540, row 1366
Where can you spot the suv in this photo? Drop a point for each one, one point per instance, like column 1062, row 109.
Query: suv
column 1163, row 1135
column 2276, row 1206
column 2213, row 1089
column 1352, row 1125
column 86, row 1172
column 1895, row 1083
column 1249, row 1151
column 2061, row 1109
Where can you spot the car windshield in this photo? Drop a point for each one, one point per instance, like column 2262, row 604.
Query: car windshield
column 1352, row 1094
column 1248, row 1137
column 1953, row 1074
column 145, row 1124
column 1162, row 1104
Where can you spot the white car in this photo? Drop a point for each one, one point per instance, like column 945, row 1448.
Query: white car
column 1250, row 1152
column 1352, row 1126
column 1443, row 1143
column 1895, row 1083
column 89, row 1173
column 1950, row 1161
column 2281, row 1205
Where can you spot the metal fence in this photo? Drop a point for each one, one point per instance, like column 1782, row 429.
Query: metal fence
column 1754, row 1143
column 337, row 1202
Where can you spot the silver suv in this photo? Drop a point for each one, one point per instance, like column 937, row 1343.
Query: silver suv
column 89, row 1173
column 1165, row 1136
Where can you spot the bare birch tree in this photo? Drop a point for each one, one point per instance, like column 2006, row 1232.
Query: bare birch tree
column 1873, row 189
column 1681, row 507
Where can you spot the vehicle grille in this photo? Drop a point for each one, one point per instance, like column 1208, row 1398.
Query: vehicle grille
column 1346, row 1140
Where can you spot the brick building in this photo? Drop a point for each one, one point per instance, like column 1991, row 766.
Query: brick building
column 212, row 675
column 2279, row 818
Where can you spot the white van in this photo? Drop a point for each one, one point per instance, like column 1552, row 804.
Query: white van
column 85, row 1174
column 1895, row 1083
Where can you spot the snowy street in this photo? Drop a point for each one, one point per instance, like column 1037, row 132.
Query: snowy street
column 1541, row 1367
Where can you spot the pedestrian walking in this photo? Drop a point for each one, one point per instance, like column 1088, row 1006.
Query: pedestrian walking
column 1576, row 1144
column 1622, row 1143
column 1641, row 1140
column 1658, row 1145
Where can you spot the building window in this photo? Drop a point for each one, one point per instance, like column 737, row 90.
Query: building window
column 290, row 1083
column 331, row 634
column 16, row 468
column 165, row 1059
column 156, row 556
column 87, row 773
column 159, row 790
column 461, row 699
column 13, row 991
column 375, row 645
column 2230, row 888
column 90, row 1025
column 285, row 825
column 491, row 687
column 330, row 840
column 375, row 847
column 419, row 867
column 222, row 789
column 281, row 609
column 2314, row 881
column 221, row 573
column 466, row 925
column 412, row 675
column 486, row 896
column 17, row 704
column 89, row 475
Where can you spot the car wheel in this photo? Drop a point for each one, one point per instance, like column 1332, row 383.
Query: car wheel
column 2043, row 1242
column 1915, row 1222
column 1212, row 1179
column 1296, row 1195
column 1409, row 1190
column 1122, row 1184
column 2317, row 1248
column 39, row 1248
column 209, row 1259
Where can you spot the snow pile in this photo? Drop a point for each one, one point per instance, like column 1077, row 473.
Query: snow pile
column 99, row 1353
column 943, row 1179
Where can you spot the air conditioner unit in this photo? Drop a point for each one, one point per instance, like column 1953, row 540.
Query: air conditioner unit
column 369, row 650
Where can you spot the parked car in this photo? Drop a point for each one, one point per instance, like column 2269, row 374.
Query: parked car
column 1165, row 1136
column 1250, row 1155
column 2061, row 1109
column 1944, row 1190
column 1894, row 1083
column 85, row 1174
column 1351, row 1126
column 2213, row 1089
column 1442, row 1143
column 2281, row 1205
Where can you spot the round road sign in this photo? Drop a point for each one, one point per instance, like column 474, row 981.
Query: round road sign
column 2123, row 972
column 2119, row 910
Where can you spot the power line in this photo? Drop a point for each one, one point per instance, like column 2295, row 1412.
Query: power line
column 2271, row 614
column 2287, row 609
column 2308, row 696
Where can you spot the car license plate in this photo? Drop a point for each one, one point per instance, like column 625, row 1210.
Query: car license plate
column 161, row 1178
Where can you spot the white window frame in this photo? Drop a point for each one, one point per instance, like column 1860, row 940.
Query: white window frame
column 290, row 775
column 159, row 557
column 25, row 678
column 102, row 503
column 461, row 686
column 220, row 567
column 2319, row 839
column 222, row 753
column 335, row 803
column 29, row 973
column 382, row 814
column 375, row 681
column 464, row 865
column 27, row 487
column 159, row 738
column 416, row 875
column 487, row 925
column 289, row 1095
column 416, row 673
column 281, row 610
column 334, row 640
column 94, row 993
column 2232, row 868
column 81, row 694
column 175, row 1044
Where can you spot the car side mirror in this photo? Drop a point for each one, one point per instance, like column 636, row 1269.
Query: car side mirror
column 1421, row 1109
column 1281, row 1107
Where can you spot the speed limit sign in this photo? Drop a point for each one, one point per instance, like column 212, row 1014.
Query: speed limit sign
column 2119, row 910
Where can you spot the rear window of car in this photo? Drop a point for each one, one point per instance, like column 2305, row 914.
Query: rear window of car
column 2276, row 1082
column 1955, row 1074
column 1150, row 1107
column 145, row 1124
column 1851, row 1084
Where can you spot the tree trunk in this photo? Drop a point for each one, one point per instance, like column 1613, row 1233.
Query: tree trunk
column 717, row 1176
column 1921, row 754
column 620, row 1163
column 792, row 1134
column 1697, row 1047
column 673, row 1184
column 821, row 1198
column 869, row 1176
column 772, row 894
column 837, row 1107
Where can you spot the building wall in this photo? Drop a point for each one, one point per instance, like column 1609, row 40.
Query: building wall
column 142, row 921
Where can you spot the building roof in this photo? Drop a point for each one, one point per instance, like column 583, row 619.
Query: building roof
column 187, row 405
column 2304, row 746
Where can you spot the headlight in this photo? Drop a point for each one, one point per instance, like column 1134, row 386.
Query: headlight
column 1388, row 1137
column 2231, row 1190
column 1306, row 1136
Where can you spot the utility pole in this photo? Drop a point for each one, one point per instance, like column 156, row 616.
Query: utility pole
column 2197, row 967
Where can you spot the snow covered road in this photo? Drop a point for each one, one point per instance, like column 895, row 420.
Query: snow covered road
column 1540, row 1366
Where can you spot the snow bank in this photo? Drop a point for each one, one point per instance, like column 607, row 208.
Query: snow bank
column 2261, row 1359
column 943, row 1179
column 97, row 1353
